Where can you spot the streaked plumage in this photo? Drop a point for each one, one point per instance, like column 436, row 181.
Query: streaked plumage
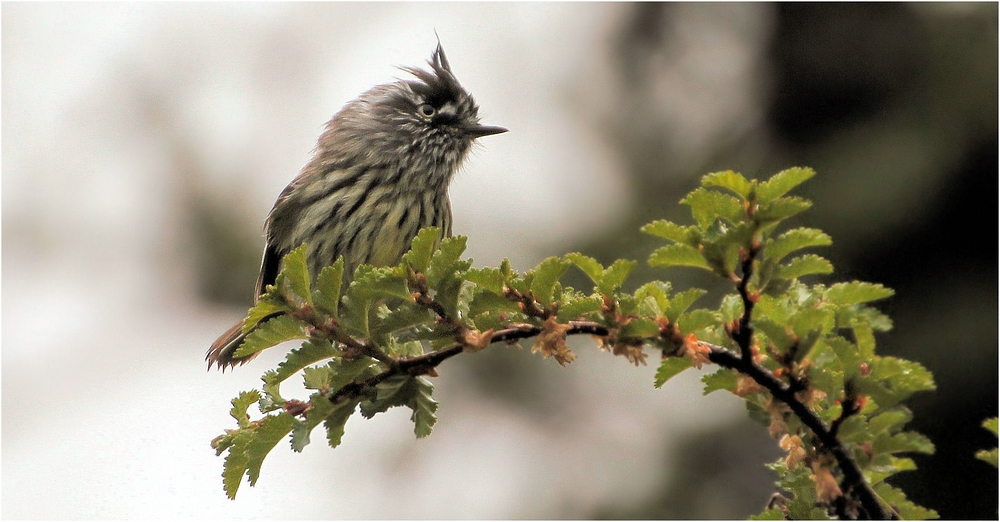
column 380, row 172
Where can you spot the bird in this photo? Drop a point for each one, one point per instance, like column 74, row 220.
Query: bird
column 379, row 173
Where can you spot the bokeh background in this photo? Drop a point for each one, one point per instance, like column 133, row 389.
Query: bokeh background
column 144, row 143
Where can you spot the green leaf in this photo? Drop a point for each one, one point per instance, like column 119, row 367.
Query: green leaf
column 781, row 208
column 615, row 275
column 865, row 338
column 795, row 239
column 658, row 291
column 697, row 320
column 776, row 333
column 336, row 420
column 724, row 379
column 681, row 302
column 487, row 278
column 909, row 441
column 731, row 308
column 729, row 180
column 856, row 292
column 421, row 248
column 326, row 297
column 678, row 255
column 988, row 456
column 380, row 282
column 782, row 182
column 709, row 205
column 672, row 231
column 424, row 408
column 589, row 265
column 446, row 261
column 240, row 406
column 270, row 333
column 669, row 367
column 490, row 302
column 295, row 274
column 546, row 274
column 391, row 392
column 991, row 425
column 903, row 507
column 889, row 421
column 312, row 350
column 578, row 307
column 639, row 328
column 268, row 305
column 808, row 264
column 320, row 409
column 270, row 430
column 405, row 316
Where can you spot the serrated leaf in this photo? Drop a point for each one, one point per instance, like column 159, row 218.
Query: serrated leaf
column 267, row 306
column 487, row 278
column 265, row 436
column 889, row 421
column 639, row 328
column 904, row 508
column 723, row 379
column 336, row 420
column 320, row 409
column 446, row 261
column 614, row 276
column 270, row 333
column 388, row 393
column 776, row 333
column 729, row 180
column 697, row 320
column 490, row 302
column 578, row 307
column 421, row 248
column 406, row 316
column 589, row 266
column 991, row 425
column 909, row 441
column 424, row 408
column 856, row 292
column 672, row 231
column 865, row 338
column 378, row 283
column 311, row 351
column 329, row 283
column 731, row 308
column 235, row 464
column 670, row 367
column 681, row 302
column 808, row 264
column 781, row 208
column 240, row 405
column 709, row 205
column 988, row 456
column 546, row 274
column 678, row 255
column 782, row 182
column 795, row 239
column 295, row 273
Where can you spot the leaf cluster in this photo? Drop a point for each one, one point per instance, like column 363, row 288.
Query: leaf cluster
column 799, row 353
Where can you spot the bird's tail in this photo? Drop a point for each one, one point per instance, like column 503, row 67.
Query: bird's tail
column 222, row 350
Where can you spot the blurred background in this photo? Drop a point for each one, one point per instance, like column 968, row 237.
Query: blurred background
column 144, row 143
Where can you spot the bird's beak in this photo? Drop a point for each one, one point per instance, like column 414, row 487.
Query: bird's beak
column 478, row 131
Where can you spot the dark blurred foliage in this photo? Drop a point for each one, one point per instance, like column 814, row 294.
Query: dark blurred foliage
column 895, row 106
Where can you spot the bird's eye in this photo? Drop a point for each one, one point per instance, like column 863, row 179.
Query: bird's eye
column 426, row 110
